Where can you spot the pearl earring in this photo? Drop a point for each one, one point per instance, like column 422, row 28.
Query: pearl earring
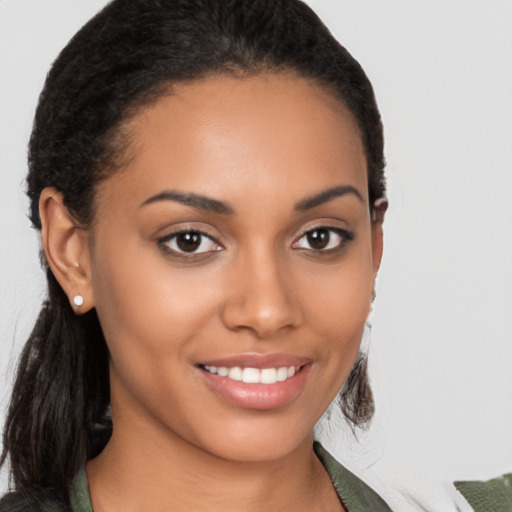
column 78, row 300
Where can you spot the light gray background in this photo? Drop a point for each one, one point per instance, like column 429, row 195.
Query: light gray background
column 441, row 348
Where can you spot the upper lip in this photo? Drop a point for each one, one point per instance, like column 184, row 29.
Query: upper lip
column 258, row 361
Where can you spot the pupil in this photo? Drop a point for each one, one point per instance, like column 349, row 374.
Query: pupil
column 318, row 239
column 188, row 242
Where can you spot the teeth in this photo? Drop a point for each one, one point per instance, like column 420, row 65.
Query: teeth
column 282, row 374
column 254, row 375
column 223, row 372
column 251, row 375
column 235, row 373
column 268, row 376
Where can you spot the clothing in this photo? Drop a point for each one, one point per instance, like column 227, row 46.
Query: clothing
column 492, row 496
column 355, row 495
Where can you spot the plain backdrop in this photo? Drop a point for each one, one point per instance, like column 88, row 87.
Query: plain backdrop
column 441, row 346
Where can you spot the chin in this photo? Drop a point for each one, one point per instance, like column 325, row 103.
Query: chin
column 257, row 441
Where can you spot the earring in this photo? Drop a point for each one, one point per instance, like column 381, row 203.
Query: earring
column 78, row 300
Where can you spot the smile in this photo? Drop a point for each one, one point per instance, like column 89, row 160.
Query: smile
column 253, row 381
column 254, row 375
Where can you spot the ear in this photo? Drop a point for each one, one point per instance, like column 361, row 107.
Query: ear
column 377, row 246
column 66, row 247
column 379, row 210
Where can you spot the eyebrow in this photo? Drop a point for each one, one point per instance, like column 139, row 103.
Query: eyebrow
column 326, row 196
column 194, row 200
column 213, row 205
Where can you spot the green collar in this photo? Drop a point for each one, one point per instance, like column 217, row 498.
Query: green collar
column 355, row 495
column 79, row 496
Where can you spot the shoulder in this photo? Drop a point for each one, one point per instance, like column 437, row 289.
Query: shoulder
column 15, row 502
column 46, row 501
column 20, row 502
column 495, row 494
column 353, row 492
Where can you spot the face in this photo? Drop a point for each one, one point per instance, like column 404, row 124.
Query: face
column 232, row 264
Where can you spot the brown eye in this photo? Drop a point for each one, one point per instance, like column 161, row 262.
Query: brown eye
column 318, row 239
column 323, row 239
column 189, row 242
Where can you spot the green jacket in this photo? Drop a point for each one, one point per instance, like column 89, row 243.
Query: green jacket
column 355, row 495
column 492, row 496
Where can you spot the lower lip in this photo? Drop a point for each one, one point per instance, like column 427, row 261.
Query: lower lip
column 257, row 396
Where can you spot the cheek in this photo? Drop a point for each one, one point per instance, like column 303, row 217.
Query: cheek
column 338, row 308
column 147, row 307
column 152, row 316
column 339, row 299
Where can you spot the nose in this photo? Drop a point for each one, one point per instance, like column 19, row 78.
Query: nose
column 261, row 297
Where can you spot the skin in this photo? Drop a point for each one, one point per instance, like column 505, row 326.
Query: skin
column 262, row 145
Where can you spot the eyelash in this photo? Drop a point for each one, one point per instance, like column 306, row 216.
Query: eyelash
column 344, row 235
column 164, row 242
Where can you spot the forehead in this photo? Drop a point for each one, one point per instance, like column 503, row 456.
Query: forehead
column 223, row 134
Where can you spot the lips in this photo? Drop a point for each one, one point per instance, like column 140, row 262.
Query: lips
column 257, row 381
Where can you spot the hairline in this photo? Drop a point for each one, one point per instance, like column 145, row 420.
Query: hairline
column 121, row 150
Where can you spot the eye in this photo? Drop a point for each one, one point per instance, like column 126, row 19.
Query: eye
column 323, row 239
column 189, row 242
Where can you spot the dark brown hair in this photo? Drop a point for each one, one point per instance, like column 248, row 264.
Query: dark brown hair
column 122, row 59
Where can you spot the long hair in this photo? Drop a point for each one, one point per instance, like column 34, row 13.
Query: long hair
column 126, row 57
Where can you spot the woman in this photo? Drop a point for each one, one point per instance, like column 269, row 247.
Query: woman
column 208, row 181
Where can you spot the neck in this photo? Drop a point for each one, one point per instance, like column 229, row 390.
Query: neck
column 178, row 475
